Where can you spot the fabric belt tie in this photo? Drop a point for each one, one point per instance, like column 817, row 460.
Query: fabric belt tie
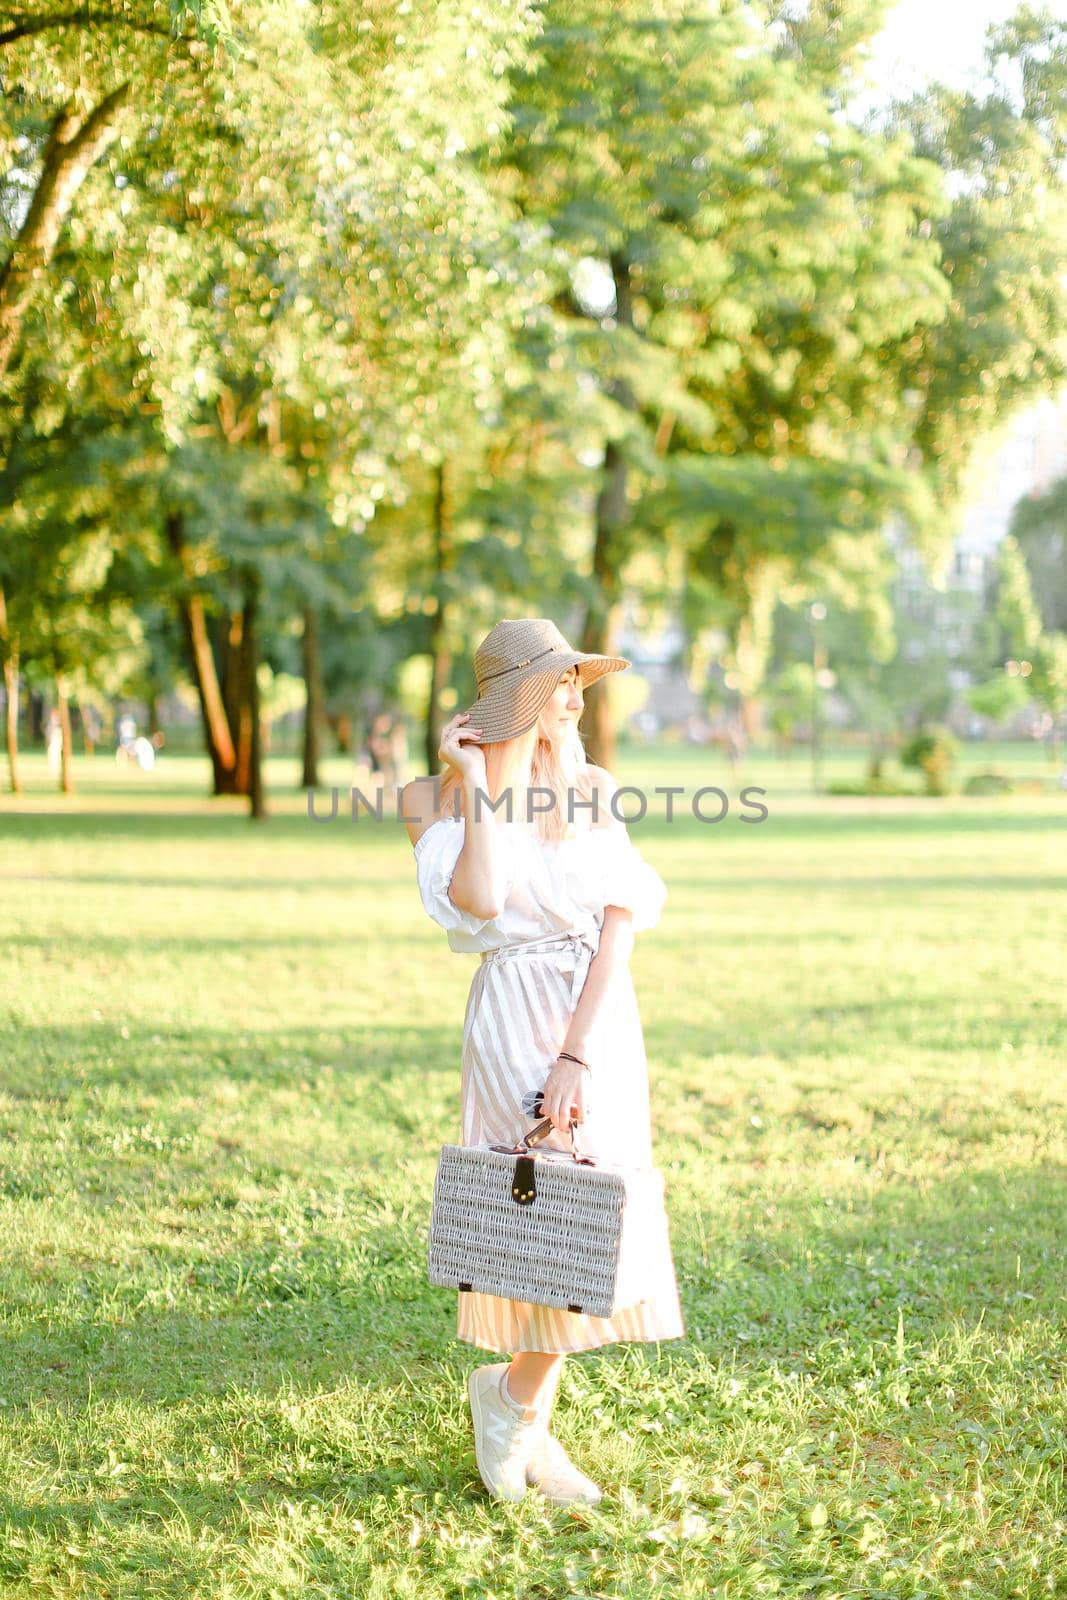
column 573, row 953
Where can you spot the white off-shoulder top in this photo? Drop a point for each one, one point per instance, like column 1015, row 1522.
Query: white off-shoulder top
column 552, row 887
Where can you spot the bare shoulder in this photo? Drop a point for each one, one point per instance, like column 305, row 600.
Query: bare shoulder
column 417, row 807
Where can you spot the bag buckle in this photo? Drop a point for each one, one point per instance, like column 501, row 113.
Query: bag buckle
column 524, row 1181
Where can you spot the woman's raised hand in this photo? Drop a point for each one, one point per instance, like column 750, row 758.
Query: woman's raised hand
column 468, row 758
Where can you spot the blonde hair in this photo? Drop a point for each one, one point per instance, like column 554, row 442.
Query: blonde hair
column 559, row 766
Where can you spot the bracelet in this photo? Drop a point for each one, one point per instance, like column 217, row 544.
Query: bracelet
column 565, row 1055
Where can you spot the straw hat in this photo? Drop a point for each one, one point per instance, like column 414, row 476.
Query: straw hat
column 518, row 665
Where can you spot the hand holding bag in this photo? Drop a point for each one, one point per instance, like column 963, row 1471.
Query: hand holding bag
column 554, row 1227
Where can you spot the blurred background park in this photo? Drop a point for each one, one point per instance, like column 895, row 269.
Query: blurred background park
column 732, row 337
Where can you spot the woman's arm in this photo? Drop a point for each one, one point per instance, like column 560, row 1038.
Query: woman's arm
column 615, row 949
column 478, row 882
column 565, row 1086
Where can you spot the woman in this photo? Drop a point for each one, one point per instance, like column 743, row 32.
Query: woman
column 549, row 890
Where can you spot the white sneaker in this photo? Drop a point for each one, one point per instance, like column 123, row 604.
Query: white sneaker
column 504, row 1432
column 550, row 1469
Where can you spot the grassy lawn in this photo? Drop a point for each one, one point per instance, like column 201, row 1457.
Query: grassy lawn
column 230, row 1055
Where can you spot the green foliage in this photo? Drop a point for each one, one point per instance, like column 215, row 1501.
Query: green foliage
column 319, row 293
column 790, row 699
column 1001, row 341
column 932, row 751
column 1016, row 614
column 211, row 18
column 809, row 452
column 999, row 698
column 1048, row 680
column 1039, row 525
column 62, row 526
column 380, row 340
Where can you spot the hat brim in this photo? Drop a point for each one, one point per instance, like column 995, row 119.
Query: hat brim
column 508, row 709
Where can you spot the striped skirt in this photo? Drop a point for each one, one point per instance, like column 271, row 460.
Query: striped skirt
column 518, row 1011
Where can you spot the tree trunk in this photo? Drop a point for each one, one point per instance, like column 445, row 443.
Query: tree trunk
column 10, row 650
column 230, row 635
column 441, row 668
column 73, row 147
column 66, row 778
column 235, row 689
column 341, row 726
column 217, row 734
column 601, row 629
column 750, row 710
column 754, row 586
column 250, row 732
column 610, row 549
column 746, row 654
column 11, row 686
column 877, row 754
column 35, row 706
column 313, row 703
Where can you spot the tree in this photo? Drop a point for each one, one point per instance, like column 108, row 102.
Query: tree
column 935, row 307
column 1011, row 624
column 830, row 266
column 1048, row 683
column 112, row 56
column 1001, row 341
column 307, row 271
column 628, row 147
column 1039, row 525
column 49, row 143
column 999, row 698
column 776, row 252
column 60, row 524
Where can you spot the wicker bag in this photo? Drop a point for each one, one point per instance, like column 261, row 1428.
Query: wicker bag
column 558, row 1228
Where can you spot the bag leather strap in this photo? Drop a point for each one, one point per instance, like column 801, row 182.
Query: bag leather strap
column 540, row 1132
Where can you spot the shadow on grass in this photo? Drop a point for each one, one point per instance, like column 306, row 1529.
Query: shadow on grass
column 55, row 1064
column 893, row 881
column 897, row 1028
column 184, row 828
column 197, row 826
column 255, row 883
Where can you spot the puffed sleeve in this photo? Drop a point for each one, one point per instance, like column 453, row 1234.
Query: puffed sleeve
column 627, row 879
column 436, row 853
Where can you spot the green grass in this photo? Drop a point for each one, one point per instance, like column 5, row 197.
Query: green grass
column 230, row 1055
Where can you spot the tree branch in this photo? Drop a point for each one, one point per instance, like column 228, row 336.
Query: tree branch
column 24, row 26
column 69, row 154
